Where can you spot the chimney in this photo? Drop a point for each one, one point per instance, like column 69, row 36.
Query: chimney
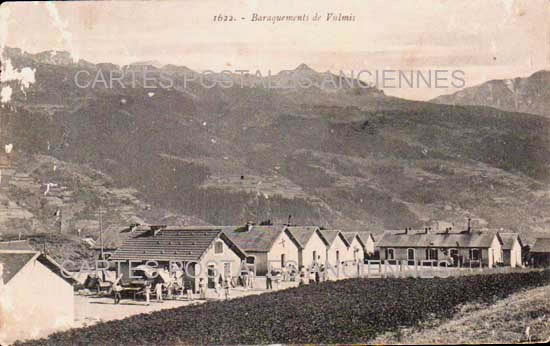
column 289, row 217
column 249, row 225
column 406, row 230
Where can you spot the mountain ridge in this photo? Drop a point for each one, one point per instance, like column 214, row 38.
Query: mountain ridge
column 352, row 158
column 527, row 95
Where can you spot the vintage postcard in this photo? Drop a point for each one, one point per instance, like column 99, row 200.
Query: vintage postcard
column 248, row 172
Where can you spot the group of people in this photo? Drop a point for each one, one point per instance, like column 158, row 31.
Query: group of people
column 158, row 291
column 285, row 274
column 304, row 275
column 247, row 278
column 158, row 286
column 222, row 284
column 316, row 274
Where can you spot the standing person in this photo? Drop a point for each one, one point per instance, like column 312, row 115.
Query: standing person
column 359, row 267
column 147, row 292
column 116, row 291
column 226, row 285
column 317, row 274
column 302, row 276
column 323, row 272
column 284, row 272
column 268, row 283
column 182, row 285
column 245, row 279
column 277, row 280
column 251, row 278
column 158, row 291
column 292, row 272
column 311, row 276
column 189, row 288
column 218, row 286
column 202, row 289
column 169, row 288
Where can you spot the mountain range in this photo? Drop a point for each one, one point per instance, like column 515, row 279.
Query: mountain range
column 348, row 157
column 525, row 95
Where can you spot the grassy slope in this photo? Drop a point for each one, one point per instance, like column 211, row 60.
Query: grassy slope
column 80, row 191
column 506, row 321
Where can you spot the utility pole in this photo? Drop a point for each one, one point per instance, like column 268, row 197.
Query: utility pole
column 101, row 232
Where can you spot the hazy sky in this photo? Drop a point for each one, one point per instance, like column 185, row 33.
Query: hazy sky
column 488, row 39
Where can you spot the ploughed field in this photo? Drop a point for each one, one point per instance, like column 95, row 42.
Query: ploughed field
column 346, row 311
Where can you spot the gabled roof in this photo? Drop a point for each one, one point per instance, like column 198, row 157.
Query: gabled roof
column 541, row 245
column 508, row 240
column 173, row 244
column 364, row 236
column 16, row 245
column 331, row 235
column 258, row 238
column 14, row 261
column 304, row 233
column 474, row 239
column 351, row 235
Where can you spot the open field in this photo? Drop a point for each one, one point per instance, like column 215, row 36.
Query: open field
column 349, row 311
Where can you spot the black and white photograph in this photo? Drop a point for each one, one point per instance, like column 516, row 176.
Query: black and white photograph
column 259, row 172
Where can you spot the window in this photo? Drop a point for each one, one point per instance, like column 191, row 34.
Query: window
column 314, row 256
column 431, row 254
column 218, row 247
column 410, row 254
column 250, row 260
column 338, row 256
column 475, row 254
column 456, row 260
column 282, row 260
column 390, row 254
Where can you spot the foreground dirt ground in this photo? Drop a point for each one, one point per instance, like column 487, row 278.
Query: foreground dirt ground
column 522, row 317
column 91, row 309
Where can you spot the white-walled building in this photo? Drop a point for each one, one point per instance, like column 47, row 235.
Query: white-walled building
column 356, row 249
column 511, row 249
column 201, row 251
column 337, row 251
column 466, row 248
column 313, row 246
column 269, row 244
column 35, row 299
column 368, row 241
